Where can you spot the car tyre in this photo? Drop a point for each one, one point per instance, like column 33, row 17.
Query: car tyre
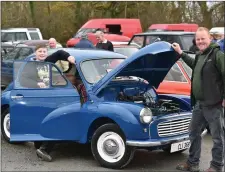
column 5, row 126
column 109, row 148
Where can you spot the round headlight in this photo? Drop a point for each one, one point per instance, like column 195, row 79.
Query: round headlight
column 146, row 115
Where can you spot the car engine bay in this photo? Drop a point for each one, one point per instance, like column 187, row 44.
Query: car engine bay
column 141, row 92
column 160, row 106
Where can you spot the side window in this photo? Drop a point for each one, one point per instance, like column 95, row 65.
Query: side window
column 57, row 78
column 9, row 37
column 12, row 55
column 34, row 36
column 31, row 74
column 21, row 36
column 23, row 53
column 175, row 74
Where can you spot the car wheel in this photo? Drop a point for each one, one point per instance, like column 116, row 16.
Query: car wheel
column 5, row 125
column 109, row 148
column 37, row 144
column 167, row 150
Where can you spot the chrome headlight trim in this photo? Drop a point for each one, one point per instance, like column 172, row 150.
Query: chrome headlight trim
column 146, row 115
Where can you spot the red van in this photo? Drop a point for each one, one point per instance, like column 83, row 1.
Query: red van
column 183, row 27
column 114, row 28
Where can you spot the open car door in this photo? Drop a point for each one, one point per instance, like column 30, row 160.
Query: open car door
column 37, row 110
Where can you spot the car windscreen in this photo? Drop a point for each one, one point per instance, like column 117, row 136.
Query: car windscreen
column 187, row 41
column 187, row 69
column 138, row 40
column 84, row 31
column 94, row 70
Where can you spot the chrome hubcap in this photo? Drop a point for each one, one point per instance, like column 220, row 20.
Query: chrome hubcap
column 111, row 147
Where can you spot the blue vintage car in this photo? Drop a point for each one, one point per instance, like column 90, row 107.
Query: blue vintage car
column 119, row 113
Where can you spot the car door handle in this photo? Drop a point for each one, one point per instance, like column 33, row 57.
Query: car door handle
column 19, row 96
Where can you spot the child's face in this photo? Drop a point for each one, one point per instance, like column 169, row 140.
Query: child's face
column 41, row 54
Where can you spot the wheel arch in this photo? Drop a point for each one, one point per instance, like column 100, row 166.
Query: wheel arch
column 97, row 123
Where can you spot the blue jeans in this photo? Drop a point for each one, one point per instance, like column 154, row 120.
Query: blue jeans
column 214, row 117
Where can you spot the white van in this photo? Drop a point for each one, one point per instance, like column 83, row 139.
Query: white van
column 15, row 35
column 217, row 30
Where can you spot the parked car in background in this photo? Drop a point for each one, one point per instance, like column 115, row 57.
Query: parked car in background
column 182, row 38
column 20, row 52
column 124, row 48
column 177, row 81
column 121, row 111
column 91, row 36
column 183, row 27
column 15, row 35
column 116, row 29
column 5, row 49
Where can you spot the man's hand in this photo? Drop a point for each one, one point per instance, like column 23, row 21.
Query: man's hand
column 223, row 104
column 177, row 48
column 41, row 84
column 71, row 59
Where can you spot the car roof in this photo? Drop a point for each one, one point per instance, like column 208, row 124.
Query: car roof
column 166, row 33
column 33, row 42
column 85, row 54
column 19, row 29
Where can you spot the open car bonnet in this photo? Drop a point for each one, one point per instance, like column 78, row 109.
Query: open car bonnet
column 151, row 63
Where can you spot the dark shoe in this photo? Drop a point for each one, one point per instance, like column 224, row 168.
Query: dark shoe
column 186, row 167
column 43, row 155
column 211, row 169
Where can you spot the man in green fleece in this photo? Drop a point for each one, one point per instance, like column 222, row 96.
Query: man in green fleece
column 208, row 99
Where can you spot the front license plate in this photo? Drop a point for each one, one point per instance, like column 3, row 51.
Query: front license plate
column 180, row 146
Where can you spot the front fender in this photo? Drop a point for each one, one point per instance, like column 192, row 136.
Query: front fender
column 72, row 122
column 126, row 115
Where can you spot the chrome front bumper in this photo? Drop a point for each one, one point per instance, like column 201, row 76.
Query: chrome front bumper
column 148, row 143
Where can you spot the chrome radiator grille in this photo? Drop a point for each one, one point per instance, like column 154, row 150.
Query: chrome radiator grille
column 173, row 127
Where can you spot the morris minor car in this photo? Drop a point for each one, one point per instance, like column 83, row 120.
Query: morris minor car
column 117, row 111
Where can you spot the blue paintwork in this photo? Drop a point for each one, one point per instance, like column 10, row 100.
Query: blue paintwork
column 56, row 113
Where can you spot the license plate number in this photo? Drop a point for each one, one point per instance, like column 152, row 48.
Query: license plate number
column 180, row 146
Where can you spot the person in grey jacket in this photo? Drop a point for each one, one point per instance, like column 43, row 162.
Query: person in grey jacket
column 84, row 43
column 208, row 99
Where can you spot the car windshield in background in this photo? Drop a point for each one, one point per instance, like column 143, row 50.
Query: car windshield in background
column 5, row 50
column 139, row 40
column 94, row 70
column 187, row 41
column 156, row 30
column 187, row 69
column 84, row 31
column 127, row 51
